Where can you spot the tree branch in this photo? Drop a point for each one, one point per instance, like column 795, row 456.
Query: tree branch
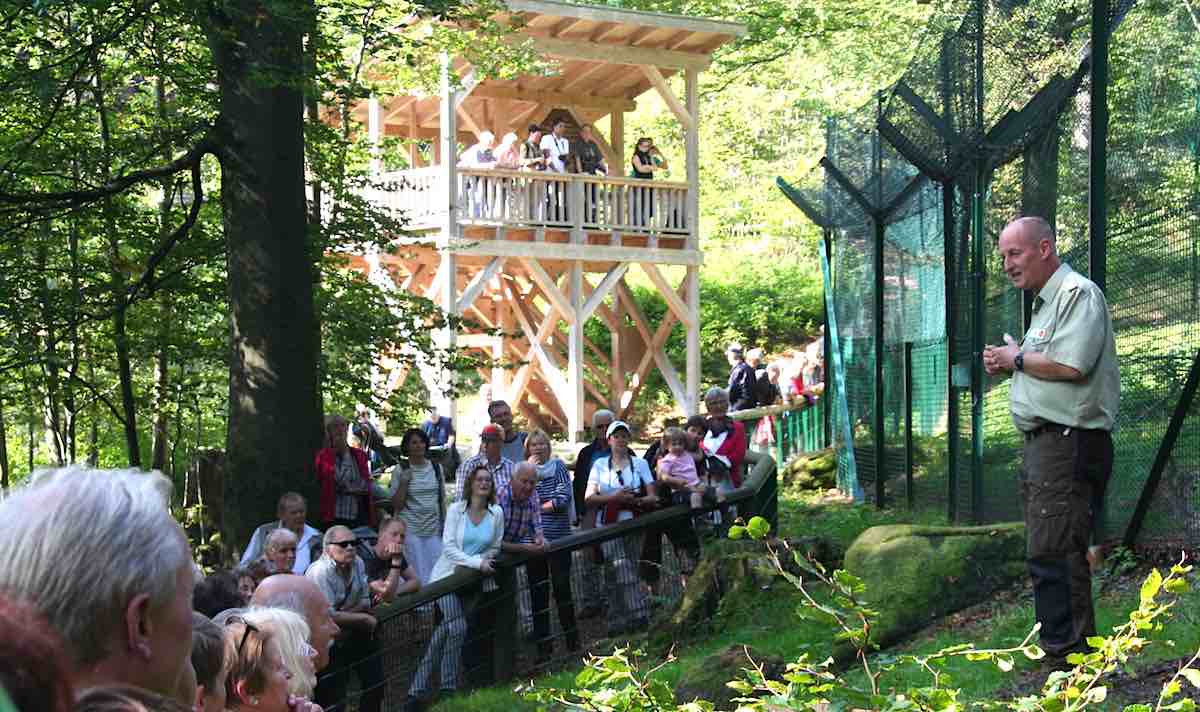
column 161, row 252
column 188, row 160
column 100, row 397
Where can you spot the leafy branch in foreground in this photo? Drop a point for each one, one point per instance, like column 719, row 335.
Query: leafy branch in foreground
column 618, row 683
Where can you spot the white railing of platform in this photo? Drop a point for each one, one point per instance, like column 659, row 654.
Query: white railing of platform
column 540, row 199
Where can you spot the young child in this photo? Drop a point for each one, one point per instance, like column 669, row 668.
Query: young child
column 677, row 468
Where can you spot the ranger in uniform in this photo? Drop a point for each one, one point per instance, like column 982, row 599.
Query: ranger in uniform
column 1065, row 391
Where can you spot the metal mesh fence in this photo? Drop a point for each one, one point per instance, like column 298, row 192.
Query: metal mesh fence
column 991, row 121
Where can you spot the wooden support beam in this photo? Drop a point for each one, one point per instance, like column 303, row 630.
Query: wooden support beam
column 557, row 98
column 570, row 82
column 672, row 298
column 545, row 362
column 533, row 415
column 575, row 355
column 692, row 369
column 600, row 13
column 664, row 90
column 616, row 368
column 617, row 123
column 563, row 25
column 587, row 253
column 479, row 283
column 601, row 291
column 408, row 283
column 654, row 344
column 618, row 54
column 549, row 288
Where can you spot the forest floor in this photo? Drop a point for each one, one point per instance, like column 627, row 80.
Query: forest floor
column 1003, row 620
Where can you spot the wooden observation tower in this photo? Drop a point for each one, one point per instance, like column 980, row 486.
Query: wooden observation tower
column 535, row 254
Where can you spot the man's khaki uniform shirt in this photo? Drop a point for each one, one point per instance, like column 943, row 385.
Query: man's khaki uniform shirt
column 1071, row 325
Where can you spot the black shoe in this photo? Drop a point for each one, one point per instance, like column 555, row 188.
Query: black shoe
column 589, row 612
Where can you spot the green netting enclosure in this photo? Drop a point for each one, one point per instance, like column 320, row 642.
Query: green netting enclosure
column 1001, row 114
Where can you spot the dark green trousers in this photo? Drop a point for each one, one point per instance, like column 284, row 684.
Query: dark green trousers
column 1063, row 480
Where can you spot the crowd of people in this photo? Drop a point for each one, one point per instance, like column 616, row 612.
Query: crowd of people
column 797, row 376
column 289, row 627
column 553, row 151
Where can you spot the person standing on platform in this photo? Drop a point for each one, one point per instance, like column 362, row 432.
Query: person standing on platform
column 1064, row 399
column 741, row 379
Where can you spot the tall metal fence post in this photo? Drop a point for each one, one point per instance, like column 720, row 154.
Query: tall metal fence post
column 878, row 420
column 908, row 422
column 827, row 420
column 979, row 270
column 949, row 232
column 1098, row 148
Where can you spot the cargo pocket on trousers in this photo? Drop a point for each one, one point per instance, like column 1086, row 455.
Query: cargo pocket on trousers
column 1049, row 522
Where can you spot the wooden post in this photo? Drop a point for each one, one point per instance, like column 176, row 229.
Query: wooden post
column 575, row 355
column 448, row 288
column 375, row 132
column 692, row 145
column 617, row 374
column 414, row 152
column 618, row 143
column 692, row 406
column 504, row 320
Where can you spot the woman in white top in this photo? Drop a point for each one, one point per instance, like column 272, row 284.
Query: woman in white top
column 472, row 536
column 619, row 484
column 418, row 498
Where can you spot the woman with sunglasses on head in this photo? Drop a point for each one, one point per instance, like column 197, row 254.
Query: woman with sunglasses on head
column 291, row 631
column 474, row 527
column 258, row 678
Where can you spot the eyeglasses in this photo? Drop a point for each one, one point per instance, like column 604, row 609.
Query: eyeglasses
column 345, row 544
column 250, row 627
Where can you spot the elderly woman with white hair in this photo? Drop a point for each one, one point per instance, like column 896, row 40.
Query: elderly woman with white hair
column 725, row 437
column 296, row 651
column 99, row 555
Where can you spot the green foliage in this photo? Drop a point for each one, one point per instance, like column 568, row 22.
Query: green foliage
column 619, row 682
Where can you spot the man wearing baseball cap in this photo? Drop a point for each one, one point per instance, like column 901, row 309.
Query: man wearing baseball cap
column 491, row 441
column 741, row 379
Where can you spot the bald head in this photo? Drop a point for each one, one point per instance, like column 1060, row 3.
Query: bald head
column 1033, row 229
column 1029, row 253
column 300, row 595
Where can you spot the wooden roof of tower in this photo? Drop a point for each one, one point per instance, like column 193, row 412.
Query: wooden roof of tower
column 599, row 51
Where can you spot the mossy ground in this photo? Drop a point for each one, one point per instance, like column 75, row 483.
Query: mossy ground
column 767, row 621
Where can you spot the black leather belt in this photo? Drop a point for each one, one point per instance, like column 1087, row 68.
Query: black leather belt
column 1046, row 428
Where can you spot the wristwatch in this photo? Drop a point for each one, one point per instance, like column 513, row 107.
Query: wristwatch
column 1019, row 361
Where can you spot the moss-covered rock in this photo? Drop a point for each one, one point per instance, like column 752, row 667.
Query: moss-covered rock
column 914, row 574
column 707, row 680
column 814, row 471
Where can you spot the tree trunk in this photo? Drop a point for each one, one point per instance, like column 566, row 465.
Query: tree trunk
column 51, row 420
column 274, row 398
column 162, row 373
column 5, row 475
column 118, row 286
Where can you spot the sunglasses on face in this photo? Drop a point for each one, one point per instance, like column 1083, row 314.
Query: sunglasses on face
column 345, row 544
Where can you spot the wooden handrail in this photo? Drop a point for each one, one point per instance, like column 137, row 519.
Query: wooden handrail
column 572, row 178
column 762, row 474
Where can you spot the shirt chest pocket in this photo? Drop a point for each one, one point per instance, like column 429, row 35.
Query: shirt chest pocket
column 1038, row 338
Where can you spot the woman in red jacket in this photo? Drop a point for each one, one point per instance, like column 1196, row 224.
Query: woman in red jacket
column 726, row 437
column 345, row 478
